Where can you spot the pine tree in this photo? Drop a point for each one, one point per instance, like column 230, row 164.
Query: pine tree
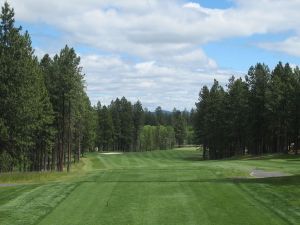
column 159, row 116
column 258, row 80
column 126, row 118
column 115, row 110
column 179, row 128
column 237, row 110
column 106, row 129
column 64, row 81
column 138, row 121
column 209, row 121
column 26, row 114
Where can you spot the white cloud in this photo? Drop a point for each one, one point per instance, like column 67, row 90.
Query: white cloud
column 147, row 81
column 146, row 27
column 144, row 67
column 192, row 5
column 194, row 59
column 152, row 23
column 290, row 45
column 166, row 37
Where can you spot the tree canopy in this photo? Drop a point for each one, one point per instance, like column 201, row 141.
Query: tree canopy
column 257, row 115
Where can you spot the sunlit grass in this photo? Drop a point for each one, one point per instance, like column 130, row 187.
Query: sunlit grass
column 158, row 187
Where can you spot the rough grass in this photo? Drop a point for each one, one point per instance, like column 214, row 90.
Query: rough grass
column 44, row 177
column 159, row 187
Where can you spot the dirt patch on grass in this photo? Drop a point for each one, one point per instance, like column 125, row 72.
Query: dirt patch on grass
column 8, row 185
column 264, row 174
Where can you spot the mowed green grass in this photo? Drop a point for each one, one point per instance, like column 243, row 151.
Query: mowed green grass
column 159, row 188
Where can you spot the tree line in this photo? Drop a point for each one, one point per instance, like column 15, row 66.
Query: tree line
column 256, row 115
column 45, row 112
column 46, row 118
column 123, row 126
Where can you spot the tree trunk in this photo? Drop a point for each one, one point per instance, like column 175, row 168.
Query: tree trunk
column 204, row 152
column 61, row 166
column 69, row 138
column 79, row 147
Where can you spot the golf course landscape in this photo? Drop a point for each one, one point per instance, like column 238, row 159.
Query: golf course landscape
column 157, row 187
column 149, row 112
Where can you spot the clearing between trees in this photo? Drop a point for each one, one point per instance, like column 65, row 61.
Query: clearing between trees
column 158, row 187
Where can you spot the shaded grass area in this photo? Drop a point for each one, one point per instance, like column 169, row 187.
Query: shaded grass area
column 159, row 187
column 77, row 170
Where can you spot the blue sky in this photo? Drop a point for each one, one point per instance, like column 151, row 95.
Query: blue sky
column 219, row 4
column 162, row 52
column 239, row 53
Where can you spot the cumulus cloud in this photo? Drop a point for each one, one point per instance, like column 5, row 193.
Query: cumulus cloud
column 147, row 81
column 193, row 60
column 146, row 27
column 163, row 40
column 290, row 45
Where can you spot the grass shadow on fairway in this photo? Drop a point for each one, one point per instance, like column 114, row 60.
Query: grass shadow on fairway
column 270, row 156
column 193, row 157
column 276, row 181
column 293, row 160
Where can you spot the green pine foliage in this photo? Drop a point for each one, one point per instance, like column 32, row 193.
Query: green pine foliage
column 138, row 122
column 257, row 115
column 45, row 113
column 123, row 126
column 26, row 113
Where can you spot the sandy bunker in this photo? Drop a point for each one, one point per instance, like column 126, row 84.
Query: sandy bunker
column 111, row 153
